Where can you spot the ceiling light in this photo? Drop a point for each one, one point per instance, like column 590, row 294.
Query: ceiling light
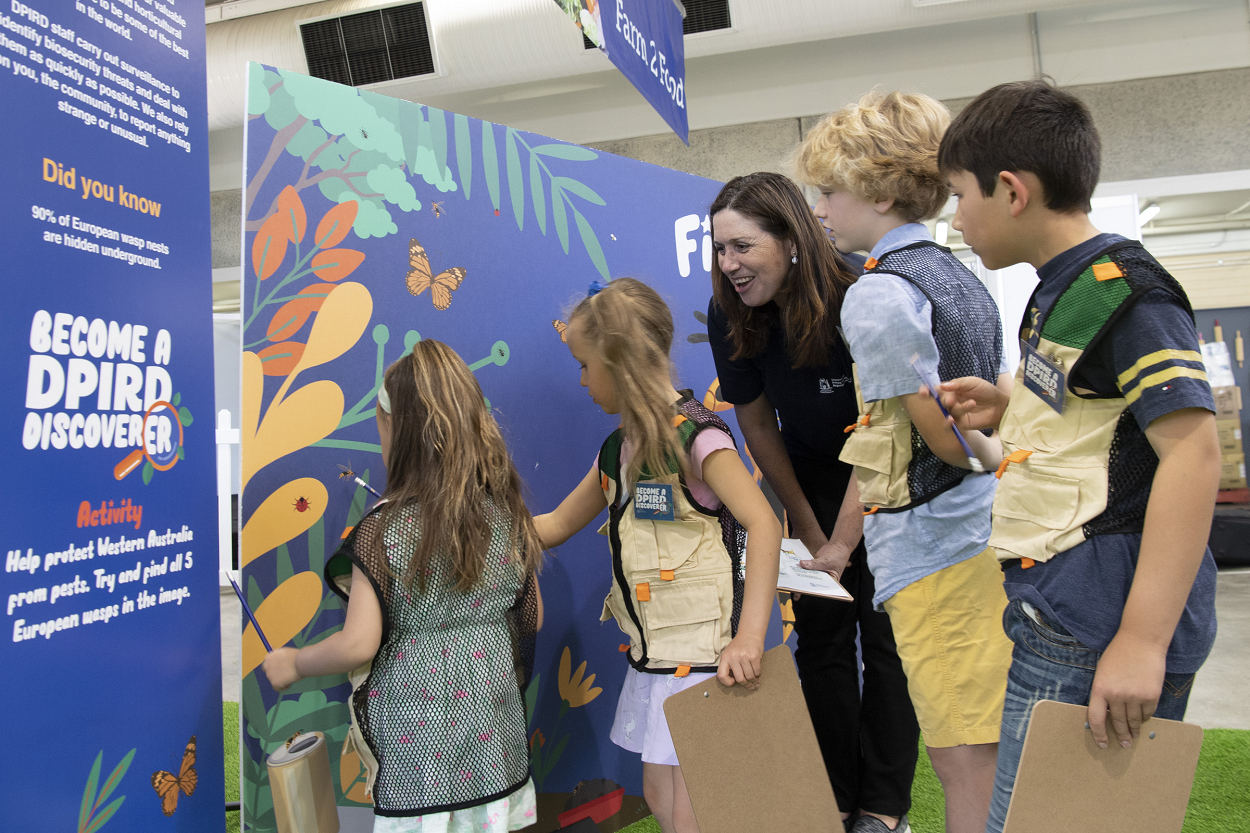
column 1148, row 213
column 942, row 232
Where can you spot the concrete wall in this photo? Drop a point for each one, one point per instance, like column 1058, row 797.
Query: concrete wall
column 1153, row 127
column 1180, row 124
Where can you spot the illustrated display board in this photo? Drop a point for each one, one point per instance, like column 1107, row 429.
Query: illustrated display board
column 112, row 648
column 371, row 223
column 1066, row 782
column 762, row 768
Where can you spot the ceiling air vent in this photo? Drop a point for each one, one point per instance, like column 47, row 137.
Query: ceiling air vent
column 369, row 47
column 699, row 16
column 705, row 16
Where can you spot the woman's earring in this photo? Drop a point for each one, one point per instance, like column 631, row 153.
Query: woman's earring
column 794, row 257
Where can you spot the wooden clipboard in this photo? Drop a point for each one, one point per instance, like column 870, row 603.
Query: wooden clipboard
column 1065, row 782
column 750, row 758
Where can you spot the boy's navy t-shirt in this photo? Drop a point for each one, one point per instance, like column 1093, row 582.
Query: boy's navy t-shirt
column 1085, row 588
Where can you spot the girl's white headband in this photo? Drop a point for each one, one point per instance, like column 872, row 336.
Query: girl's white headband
column 384, row 400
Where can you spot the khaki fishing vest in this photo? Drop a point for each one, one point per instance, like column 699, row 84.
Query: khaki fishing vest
column 894, row 468
column 1056, row 469
column 673, row 588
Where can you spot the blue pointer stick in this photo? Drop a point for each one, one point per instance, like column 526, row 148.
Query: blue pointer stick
column 238, row 592
column 933, row 386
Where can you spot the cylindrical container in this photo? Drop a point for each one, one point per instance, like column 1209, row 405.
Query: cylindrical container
column 303, row 794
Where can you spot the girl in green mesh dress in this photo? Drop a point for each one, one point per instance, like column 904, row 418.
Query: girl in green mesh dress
column 444, row 605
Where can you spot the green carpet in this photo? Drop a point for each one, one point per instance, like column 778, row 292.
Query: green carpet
column 1220, row 799
column 230, row 733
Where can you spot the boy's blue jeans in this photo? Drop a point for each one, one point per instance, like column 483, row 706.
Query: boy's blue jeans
column 1048, row 663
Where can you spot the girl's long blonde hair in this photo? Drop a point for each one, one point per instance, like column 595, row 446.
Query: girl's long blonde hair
column 631, row 328
column 448, row 458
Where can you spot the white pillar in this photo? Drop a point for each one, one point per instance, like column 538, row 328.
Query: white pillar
column 226, row 437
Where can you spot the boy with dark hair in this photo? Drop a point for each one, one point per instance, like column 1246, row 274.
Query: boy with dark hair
column 1112, row 461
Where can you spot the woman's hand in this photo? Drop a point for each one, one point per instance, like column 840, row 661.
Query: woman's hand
column 279, row 667
column 832, row 558
column 740, row 661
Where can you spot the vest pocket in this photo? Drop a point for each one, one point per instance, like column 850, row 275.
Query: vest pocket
column 677, row 542
column 871, row 451
column 683, row 621
column 1032, row 511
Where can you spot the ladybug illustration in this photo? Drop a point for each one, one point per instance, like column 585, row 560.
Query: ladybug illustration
column 496, row 212
column 301, row 505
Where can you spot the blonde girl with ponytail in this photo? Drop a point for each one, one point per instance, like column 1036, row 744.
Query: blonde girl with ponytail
column 680, row 503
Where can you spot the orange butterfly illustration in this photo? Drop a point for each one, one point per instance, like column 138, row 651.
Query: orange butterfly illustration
column 167, row 784
column 562, row 329
column 421, row 278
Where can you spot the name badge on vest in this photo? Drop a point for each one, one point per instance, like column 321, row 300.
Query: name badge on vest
column 653, row 501
column 1043, row 377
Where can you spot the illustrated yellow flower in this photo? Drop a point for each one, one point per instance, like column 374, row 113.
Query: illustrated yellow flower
column 573, row 689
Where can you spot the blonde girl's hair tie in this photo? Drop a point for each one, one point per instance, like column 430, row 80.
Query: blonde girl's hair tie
column 384, row 399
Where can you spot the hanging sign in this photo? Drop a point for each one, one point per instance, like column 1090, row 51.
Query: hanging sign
column 644, row 39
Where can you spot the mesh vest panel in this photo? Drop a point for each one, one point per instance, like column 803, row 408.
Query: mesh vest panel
column 442, row 707
column 968, row 333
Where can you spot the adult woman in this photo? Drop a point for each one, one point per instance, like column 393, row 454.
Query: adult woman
column 777, row 286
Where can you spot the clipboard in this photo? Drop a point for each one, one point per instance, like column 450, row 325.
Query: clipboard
column 1065, row 782
column 750, row 758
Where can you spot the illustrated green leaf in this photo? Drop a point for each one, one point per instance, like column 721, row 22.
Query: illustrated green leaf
column 411, row 124
column 559, row 215
column 148, row 471
column 115, row 777
column 575, row 153
column 317, row 546
column 516, row 187
column 177, row 400
column 331, row 717
column 438, row 133
column 357, row 510
column 531, row 698
column 464, row 153
column 88, row 793
column 184, row 416
column 285, row 570
column 583, row 191
column 182, row 455
column 105, row 815
column 254, row 596
column 316, row 683
column 591, row 242
column 553, row 757
column 490, row 161
column 253, row 706
column 538, row 193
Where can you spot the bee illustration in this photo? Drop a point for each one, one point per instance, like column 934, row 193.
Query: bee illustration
column 613, row 236
column 364, row 133
column 301, row 504
column 437, row 208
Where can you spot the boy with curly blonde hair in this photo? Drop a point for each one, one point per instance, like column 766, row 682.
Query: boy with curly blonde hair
column 917, row 312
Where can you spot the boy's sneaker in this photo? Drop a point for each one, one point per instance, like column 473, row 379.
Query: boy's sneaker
column 872, row 824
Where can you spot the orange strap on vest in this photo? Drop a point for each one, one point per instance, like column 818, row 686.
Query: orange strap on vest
column 872, row 511
column 644, row 591
column 1017, row 456
column 622, row 648
column 682, row 670
column 864, row 420
column 667, row 575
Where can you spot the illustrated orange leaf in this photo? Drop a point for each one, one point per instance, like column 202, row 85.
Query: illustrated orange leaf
column 280, row 359
column 335, row 264
column 269, row 246
column 335, row 224
column 291, row 207
column 292, row 315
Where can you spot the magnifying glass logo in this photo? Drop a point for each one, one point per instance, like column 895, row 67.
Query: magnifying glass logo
column 156, row 441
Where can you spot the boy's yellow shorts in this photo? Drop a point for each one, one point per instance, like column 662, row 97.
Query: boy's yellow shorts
column 949, row 631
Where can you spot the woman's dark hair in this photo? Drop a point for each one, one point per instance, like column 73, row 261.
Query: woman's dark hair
column 808, row 305
column 1027, row 126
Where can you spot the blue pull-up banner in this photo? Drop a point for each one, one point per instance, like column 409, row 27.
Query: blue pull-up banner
column 644, row 39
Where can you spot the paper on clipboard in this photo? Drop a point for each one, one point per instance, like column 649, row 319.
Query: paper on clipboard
column 794, row 579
